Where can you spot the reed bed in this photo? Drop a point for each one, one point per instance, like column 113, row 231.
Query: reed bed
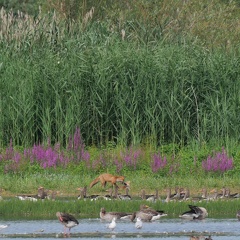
column 126, row 94
column 61, row 74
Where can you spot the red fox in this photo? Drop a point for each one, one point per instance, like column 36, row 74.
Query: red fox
column 106, row 177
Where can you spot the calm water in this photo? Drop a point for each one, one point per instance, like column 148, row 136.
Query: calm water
column 168, row 229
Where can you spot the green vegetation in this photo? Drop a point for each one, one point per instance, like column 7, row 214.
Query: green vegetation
column 148, row 84
column 153, row 88
column 17, row 209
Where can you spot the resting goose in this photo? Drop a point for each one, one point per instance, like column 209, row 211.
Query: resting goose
column 223, row 194
column 195, row 213
column 83, row 195
column 214, row 196
column 42, row 194
column 200, row 238
column 178, row 194
column 234, row 195
column 204, row 194
column 148, row 214
column 186, row 195
column 108, row 216
column 125, row 196
column 168, row 197
column 149, row 197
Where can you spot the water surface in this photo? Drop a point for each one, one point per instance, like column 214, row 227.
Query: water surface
column 168, row 229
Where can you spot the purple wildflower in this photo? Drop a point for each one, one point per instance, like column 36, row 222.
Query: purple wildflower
column 220, row 162
column 158, row 162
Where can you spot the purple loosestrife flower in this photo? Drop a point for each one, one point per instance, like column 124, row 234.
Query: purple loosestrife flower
column 220, row 162
column 17, row 157
column 86, row 158
column 119, row 165
column 77, row 146
column 158, row 162
column 9, row 151
column 131, row 157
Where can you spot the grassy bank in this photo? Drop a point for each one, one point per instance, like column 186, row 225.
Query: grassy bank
column 67, row 184
column 17, row 209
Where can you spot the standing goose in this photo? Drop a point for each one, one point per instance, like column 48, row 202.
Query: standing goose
column 68, row 220
column 147, row 214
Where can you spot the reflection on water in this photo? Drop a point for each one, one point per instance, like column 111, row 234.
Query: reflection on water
column 169, row 229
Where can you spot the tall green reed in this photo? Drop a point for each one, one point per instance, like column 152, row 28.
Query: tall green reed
column 114, row 90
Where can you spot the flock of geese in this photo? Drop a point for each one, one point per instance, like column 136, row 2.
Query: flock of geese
column 145, row 213
column 180, row 194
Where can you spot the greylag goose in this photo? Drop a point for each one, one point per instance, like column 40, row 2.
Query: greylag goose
column 108, row 216
column 148, row 214
column 223, row 194
column 125, row 196
column 186, row 195
column 200, row 238
column 194, row 213
column 168, row 197
column 52, row 195
column 178, row 194
column 108, row 196
column 172, row 197
column 234, row 195
column 213, row 196
column 68, row 220
column 204, row 194
column 83, row 195
column 149, row 197
column 41, row 194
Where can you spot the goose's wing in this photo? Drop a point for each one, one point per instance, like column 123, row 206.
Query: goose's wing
column 68, row 217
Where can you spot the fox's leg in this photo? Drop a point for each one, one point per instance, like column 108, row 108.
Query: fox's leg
column 103, row 182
